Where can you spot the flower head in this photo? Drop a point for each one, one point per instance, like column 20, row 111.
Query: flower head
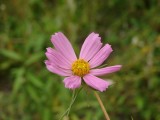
column 62, row 60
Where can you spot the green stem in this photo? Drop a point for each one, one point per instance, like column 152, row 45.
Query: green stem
column 74, row 96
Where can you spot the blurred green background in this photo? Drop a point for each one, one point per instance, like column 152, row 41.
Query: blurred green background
column 29, row 92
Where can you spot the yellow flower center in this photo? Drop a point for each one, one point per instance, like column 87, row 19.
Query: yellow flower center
column 80, row 67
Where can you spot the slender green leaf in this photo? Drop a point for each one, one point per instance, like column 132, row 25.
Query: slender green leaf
column 35, row 80
column 34, row 58
column 11, row 54
column 33, row 93
column 19, row 80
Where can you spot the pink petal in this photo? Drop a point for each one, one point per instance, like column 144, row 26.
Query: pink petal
column 72, row 82
column 101, row 56
column 96, row 83
column 90, row 47
column 57, row 70
column 62, row 44
column 106, row 70
column 56, row 58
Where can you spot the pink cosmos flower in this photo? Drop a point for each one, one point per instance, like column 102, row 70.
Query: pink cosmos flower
column 62, row 60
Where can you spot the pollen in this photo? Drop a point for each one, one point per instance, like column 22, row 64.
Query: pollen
column 80, row 67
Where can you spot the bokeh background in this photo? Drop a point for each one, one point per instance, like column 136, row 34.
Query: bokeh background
column 29, row 92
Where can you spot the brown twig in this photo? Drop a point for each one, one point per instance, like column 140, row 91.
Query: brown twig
column 102, row 106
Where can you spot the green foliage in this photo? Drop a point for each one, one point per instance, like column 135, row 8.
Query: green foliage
column 29, row 92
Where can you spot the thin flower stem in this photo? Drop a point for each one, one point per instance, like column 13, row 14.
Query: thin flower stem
column 102, row 106
column 74, row 96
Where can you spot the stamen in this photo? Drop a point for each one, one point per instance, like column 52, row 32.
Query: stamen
column 80, row 67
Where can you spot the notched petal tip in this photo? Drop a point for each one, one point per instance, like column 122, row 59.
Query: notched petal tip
column 109, row 47
column 91, row 46
column 47, row 62
column 63, row 46
column 120, row 66
column 55, row 36
column 49, row 49
column 101, row 56
column 110, row 82
column 94, row 33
